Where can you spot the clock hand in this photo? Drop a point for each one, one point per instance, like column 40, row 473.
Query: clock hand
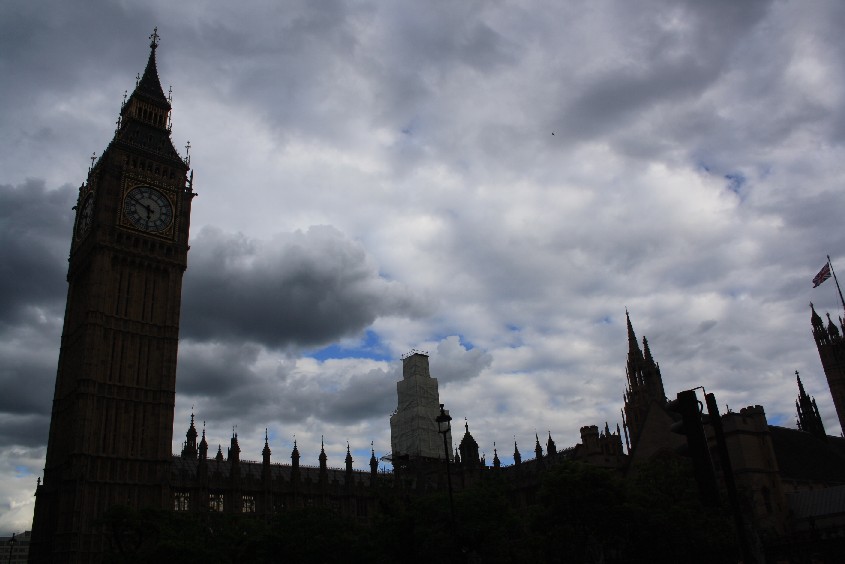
column 143, row 205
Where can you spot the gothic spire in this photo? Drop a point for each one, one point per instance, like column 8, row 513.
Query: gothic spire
column 203, row 448
column 190, row 446
column 809, row 419
column 322, row 458
column 469, row 448
column 373, row 461
column 150, row 86
column 348, row 459
column 265, row 453
column 633, row 346
column 294, row 456
column 517, row 458
column 234, row 448
column 647, row 351
column 832, row 330
column 538, row 450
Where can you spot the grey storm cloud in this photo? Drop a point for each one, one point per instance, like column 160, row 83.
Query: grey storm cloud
column 255, row 391
column 35, row 224
column 298, row 289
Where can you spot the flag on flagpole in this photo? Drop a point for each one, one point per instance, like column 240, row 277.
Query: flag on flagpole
column 823, row 275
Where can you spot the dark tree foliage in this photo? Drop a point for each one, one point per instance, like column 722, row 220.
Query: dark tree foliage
column 580, row 515
column 669, row 523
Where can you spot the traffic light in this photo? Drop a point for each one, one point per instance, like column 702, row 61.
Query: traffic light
column 690, row 425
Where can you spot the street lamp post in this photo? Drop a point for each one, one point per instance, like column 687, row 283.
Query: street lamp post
column 12, row 542
column 444, row 426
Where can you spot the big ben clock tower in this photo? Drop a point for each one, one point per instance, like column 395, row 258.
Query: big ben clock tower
column 112, row 418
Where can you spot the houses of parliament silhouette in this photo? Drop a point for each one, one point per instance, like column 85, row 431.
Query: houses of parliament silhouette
column 112, row 417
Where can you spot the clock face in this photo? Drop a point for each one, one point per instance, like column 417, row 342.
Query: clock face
column 86, row 215
column 148, row 209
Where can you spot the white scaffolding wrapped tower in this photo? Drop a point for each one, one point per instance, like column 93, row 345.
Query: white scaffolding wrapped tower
column 413, row 429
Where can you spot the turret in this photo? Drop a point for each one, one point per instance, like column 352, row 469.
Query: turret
column 234, row 449
column 517, row 458
column 324, row 472
column 831, row 347
column 294, row 463
column 348, row 461
column 538, row 450
column 203, row 448
column 190, row 447
column 265, row 453
column 551, row 448
column 469, row 449
column 373, row 465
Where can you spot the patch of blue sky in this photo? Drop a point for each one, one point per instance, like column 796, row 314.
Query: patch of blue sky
column 370, row 347
column 779, row 420
column 736, row 182
column 22, row 472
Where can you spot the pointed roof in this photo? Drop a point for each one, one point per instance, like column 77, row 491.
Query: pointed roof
column 192, row 431
column 831, row 328
column 348, row 459
column 266, row 451
column 538, row 450
column 814, row 317
column 467, row 441
column 809, row 419
column 203, row 447
column 150, row 86
column 633, row 345
column 551, row 447
column 517, row 458
column 322, row 456
column 647, row 351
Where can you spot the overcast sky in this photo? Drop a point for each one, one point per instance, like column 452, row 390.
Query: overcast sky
column 491, row 182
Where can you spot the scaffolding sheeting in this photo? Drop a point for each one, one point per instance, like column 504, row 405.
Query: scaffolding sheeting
column 413, row 429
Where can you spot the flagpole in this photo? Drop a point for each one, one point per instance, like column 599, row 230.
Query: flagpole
column 837, row 282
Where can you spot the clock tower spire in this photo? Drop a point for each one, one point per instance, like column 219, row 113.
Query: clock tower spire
column 111, row 427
